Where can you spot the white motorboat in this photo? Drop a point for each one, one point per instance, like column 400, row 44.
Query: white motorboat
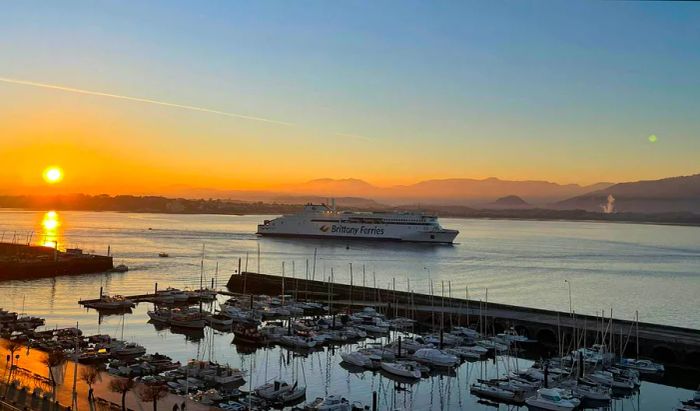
column 361, row 359
column 330, row 403
column 187, row 319
column 336, row 337
column 536, row 374
column 271, row 391
column 477, row 348
column 373, row 329
column 273, row 333
column 106, row 302
column 171, row 295
column 355, row 358
column 588, row 391
column 492, row 345
column 122, row 349
column 510, row 336
column 598, row 354
column 643, row 366
column 496, row 392
column 447, row 340
column 408, row 346
column 206, row 294
column 161, row 315
column 625, row 373
column 219, row 320
column 607, row 379
column 381, row 353
column 401, row 323
column 550, row 399
column 212, row 372
column 464, row 353
column 295, row 394
column 297, row 341
column 435, row 357
column 353, row 333
column 465, row 332
column 406, row 369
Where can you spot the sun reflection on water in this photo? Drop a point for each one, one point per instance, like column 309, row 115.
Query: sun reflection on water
column 51, row 225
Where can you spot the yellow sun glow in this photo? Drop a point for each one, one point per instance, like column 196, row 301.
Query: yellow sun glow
column 53, row 175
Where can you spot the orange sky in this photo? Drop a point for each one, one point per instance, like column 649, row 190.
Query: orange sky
column 149, row 96
column 113, row 147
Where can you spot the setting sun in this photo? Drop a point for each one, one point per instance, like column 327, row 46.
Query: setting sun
column 53, row 175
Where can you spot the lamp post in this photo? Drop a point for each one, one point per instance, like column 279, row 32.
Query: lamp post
column 570, row 305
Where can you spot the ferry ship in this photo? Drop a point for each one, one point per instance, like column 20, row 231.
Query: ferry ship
column 322, row 221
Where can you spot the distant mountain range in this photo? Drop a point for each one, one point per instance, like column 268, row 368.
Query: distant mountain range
column 454, row 191
column 674, row 194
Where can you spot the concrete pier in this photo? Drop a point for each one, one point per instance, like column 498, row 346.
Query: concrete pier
column 22, row 262
column 675, row 346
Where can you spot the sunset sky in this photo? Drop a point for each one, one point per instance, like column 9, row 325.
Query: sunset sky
column 391, row 92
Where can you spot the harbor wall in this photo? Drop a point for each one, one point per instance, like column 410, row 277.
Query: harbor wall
column 22, row 261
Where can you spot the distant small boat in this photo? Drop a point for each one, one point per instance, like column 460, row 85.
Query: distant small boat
column 163, row 255
column 121, row 268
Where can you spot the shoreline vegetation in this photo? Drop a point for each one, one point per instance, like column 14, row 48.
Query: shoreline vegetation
column 165, row 205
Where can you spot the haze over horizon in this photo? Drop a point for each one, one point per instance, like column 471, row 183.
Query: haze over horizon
column 138, row 98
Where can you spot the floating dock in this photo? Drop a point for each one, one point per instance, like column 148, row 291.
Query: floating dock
column 671, row 345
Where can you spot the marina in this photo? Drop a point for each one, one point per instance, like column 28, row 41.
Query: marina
column 335, row 365
column 589, row 377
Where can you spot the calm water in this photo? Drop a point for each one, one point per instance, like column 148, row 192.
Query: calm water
column 653, row 269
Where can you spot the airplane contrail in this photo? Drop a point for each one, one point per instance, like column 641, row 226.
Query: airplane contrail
column 140, row 100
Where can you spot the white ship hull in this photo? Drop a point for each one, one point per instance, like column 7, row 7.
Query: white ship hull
column 361, row 226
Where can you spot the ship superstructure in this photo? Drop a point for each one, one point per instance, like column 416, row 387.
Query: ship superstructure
column 323, row 221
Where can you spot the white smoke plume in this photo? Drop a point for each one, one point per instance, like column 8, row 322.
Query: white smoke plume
column 609, row 208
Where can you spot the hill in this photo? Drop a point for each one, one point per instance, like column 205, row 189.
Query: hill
column 509, row 202
column 674, row 194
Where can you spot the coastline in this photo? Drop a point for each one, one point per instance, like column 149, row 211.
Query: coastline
column 690, row 220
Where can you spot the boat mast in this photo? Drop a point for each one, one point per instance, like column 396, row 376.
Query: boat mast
column 636, row 314
column 76, row 355
column 201, row 279
column 466, row 291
